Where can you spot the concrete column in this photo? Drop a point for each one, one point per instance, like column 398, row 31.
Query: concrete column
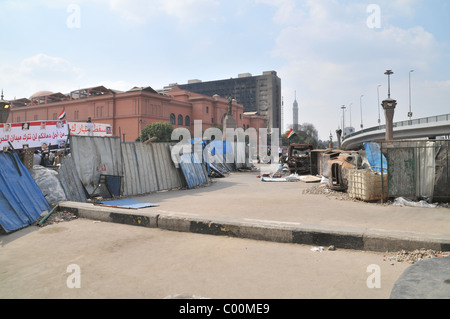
column 339, row 134
column 389, row 109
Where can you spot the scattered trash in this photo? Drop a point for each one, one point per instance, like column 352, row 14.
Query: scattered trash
column 400, row 201
column 317, row 249
column 126, row 203
column 415, row 255
column 310, row 179
column 55, row 217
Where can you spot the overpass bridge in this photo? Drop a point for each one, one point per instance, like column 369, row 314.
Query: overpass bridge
column 427, row 127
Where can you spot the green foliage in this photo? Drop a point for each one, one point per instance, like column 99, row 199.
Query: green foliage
column 305, row 135
column 162, row 132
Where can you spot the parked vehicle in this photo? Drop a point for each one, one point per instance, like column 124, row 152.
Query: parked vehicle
column 298, row 158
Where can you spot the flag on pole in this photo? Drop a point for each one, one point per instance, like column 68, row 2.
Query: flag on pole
column 62, row 114
column 290, row 133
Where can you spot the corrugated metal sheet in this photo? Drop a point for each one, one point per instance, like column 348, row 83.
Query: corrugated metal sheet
column 21, row 200
column 94, row 156
column 193, row 170
column 70, row 181
column 148, row 168
column 168, row 176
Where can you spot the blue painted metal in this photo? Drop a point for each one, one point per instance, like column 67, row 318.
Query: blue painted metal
column 127, row 203
column 21, row 200
column 192, row 170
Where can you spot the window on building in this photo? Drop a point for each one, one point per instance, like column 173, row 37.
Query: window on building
column 207, row 109
column 172, row 119
column 180, row 119
column 55, row 116
column 35, row 117
column 76, row 115
column 187, row 121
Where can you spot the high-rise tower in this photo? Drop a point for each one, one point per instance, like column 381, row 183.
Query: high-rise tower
column 295, row 114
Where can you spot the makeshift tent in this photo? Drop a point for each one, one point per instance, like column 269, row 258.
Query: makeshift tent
column 21, row 200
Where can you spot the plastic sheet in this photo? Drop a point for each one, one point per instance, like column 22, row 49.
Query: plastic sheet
column 48, row 182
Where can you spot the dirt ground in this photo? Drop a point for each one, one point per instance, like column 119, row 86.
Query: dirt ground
column 121, row 261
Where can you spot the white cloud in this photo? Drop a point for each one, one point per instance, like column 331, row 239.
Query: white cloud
column 37, row 73
column 332, row 57
column 117, row 85
column 141, row 11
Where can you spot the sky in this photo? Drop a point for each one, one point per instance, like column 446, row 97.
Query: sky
column 328, row 53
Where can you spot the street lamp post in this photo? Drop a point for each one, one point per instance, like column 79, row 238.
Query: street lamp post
column 350, row 109
column 5, row 107
column 410, row 114
column 360, row 103
column 343, row 119
column 389, row 108
column 378, row 94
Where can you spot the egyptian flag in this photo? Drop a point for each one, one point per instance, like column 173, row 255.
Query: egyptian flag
column 62, row 115
column 290, row 133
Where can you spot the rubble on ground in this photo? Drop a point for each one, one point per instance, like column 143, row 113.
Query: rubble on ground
column 415, row 255
column 57, row 217
column 323, row 189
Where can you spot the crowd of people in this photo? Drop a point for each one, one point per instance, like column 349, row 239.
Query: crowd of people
column 44, row 156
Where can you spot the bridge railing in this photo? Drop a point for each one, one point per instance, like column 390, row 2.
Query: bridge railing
column 424, row 120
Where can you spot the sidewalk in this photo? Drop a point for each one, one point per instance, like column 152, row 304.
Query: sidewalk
column 241, row 205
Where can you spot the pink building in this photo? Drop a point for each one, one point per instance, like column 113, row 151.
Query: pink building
column 128, row 112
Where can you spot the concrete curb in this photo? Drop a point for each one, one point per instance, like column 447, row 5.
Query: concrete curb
column 283, row 232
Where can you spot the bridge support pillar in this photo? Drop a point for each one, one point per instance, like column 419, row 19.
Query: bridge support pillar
column 389, row 109
column 339, row 135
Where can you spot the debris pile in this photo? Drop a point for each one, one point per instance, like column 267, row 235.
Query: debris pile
column 57, row 217
column 415, row 255
column 323, row 189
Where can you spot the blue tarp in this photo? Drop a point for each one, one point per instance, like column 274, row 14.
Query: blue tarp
column 21, row 200
column 373, row 153
column 127, row 203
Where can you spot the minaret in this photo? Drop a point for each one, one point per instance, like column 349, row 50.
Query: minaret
column 295, row 114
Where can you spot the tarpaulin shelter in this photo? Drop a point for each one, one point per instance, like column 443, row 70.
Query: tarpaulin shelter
column 21, row 200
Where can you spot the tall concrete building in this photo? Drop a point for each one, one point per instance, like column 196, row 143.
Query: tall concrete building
column 295, row 125
column 259, row 95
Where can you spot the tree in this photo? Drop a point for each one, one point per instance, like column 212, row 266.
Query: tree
column 162, row 132
column 307, row 134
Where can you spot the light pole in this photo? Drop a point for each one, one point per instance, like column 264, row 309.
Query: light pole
column 410, row 112
column 389, row 109
column 350, row 109
column 343, row 119
column 360, row 104
column 5, row 107
column 378, row 94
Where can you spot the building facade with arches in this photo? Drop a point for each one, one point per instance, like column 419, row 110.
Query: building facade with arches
column 130, row 111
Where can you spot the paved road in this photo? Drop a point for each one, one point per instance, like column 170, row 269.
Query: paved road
column 243, row 195
column 122, row 261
